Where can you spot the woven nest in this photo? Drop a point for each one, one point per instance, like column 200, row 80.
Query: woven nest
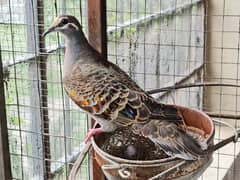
column 125, row 144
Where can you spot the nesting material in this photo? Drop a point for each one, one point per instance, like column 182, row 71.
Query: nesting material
column 125, row 144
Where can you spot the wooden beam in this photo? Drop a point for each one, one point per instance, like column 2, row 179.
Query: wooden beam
column 97, row 35
column 5, row 167
column 97, row 25
column 43, row 91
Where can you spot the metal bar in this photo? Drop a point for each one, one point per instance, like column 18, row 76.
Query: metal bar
column 97, row 32
column 165, row 174
column 225, row 142
column 33, row 57
column 79, row 161
column 184, row 79
column 5, row 166
column 205, row 53
column 205, row 84
column 221, row 115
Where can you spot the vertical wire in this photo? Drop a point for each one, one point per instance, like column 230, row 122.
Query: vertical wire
column 88, row 120
column 80, row 11
column 54, row 106
column 158, row 59
column 205, row 25
column 174, row 49
column 131, row 71
column 144, row 47
column 221, row 90
column 116, row 40
column 236, row 103
column 189, row 53
column 205, row 71
column 81, row 21
column 16, row 86
column 62, row 94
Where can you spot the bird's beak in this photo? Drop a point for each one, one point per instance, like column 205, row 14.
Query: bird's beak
column 51, row 29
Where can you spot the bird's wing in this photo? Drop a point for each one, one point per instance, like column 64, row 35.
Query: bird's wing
column 108, row 92
column 139, row 99
column 102, row 94
column 173, row 140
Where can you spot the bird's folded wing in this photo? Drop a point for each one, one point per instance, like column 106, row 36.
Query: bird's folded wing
column 104, row 95
column 109, row 93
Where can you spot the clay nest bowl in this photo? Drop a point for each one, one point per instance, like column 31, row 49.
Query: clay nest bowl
column 125, row 144
column 123, row 150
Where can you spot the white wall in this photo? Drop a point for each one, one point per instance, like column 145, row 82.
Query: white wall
column 222, row 56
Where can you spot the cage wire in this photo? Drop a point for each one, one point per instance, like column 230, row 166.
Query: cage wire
column 159, row 43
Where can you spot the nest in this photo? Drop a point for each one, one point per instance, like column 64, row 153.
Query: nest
column 125, row 144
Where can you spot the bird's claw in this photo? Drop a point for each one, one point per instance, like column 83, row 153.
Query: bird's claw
column 93, row 132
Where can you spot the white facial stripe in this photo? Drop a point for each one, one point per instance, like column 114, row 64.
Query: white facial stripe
column 73, row 25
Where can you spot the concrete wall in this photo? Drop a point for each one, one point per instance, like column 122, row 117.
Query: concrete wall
column 162, row 51
column 222, row 56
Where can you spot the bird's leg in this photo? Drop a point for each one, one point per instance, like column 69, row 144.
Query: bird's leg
column 93, row 132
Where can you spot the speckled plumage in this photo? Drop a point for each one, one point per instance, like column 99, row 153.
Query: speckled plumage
column 110, row 96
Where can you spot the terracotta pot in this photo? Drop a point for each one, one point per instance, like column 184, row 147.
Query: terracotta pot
column 116, row 168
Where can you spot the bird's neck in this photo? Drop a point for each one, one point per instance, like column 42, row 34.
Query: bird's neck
column 76, row 48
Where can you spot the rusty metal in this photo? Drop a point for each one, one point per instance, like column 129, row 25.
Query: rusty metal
column 43, row 91
column 116, row 168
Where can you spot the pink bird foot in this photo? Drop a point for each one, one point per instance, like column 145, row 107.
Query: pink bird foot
column 93, row 132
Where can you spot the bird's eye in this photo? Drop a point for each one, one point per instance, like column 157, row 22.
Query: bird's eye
column 63, row 22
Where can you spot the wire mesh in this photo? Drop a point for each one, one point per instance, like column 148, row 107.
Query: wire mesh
column 158, row 43
column 66, row 124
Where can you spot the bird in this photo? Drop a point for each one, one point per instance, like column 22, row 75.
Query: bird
column 113, row 99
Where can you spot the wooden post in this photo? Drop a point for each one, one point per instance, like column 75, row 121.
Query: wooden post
column 43, row 91
column 97, row 33
column 97, row 25
column 5, row 167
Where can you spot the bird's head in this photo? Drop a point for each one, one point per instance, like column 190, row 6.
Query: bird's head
column 65, row 24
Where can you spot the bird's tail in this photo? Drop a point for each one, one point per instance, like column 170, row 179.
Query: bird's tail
column 172, row 139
